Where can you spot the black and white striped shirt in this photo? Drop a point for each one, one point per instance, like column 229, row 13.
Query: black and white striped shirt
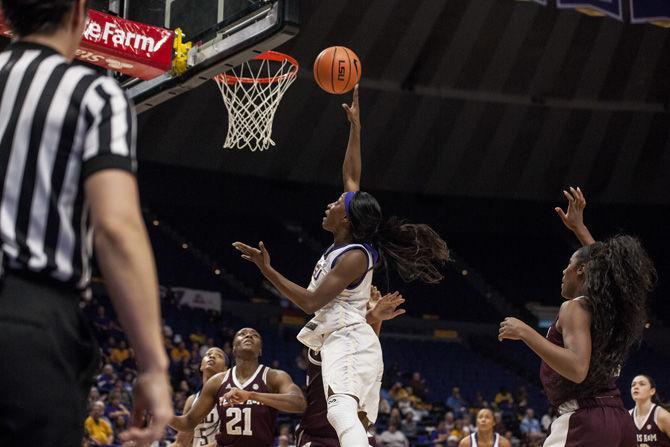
column 59, row 123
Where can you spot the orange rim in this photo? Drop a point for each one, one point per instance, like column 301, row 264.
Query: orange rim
column 274, row 56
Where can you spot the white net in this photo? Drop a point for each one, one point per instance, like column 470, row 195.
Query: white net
column 251, row 93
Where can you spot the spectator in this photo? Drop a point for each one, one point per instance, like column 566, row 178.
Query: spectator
column 504, row 397
column 479, row 402
column 521, row 399
column 498, row 424
column 394, row 417
column 97, row 428
column 449, row 421
column 129, row 365
column 418, row 384
column 384, row 406
column 409, row 425
column 439, row 436
column 101, row 322
column 120, row 425
column 456, row 401
column 458, row 429
column 530, row 426
column 93, row 396
column 115, row 408
column 197, row 336
column 392, row 437
column 119, row 353
column 124, row 396
column 284, row 441
column 468, row 427
column 105, row 381
column 452, row 441
column 179, row 353
column 167, row 330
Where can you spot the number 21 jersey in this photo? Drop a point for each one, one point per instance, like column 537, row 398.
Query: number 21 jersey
column 251, row 424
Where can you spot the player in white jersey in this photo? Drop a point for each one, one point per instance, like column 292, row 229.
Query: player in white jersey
column 340, row 288
column 484, row 436
column 215, row 361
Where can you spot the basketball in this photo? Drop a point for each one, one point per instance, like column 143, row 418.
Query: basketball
column 337, row 70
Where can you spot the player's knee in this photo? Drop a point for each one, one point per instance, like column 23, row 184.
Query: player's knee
column 343, row 416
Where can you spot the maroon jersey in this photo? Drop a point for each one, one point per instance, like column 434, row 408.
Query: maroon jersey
column 550, row 378
column 251, row 424
column 314, row 429
column 650, row 434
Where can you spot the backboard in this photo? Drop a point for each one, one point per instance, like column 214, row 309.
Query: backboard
column 224, row 33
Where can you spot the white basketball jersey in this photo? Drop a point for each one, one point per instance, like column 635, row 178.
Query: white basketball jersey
column 348, row 308
column 205, row 432
column 473, row 440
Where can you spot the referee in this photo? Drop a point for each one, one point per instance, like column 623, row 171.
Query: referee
column 67, row 163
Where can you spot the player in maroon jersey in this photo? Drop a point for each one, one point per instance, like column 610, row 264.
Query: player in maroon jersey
column 651, row 420
column 605, row 286
column 314, row 429
column 247, row 397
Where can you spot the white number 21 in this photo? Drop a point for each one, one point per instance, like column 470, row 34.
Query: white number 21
column 236, row 415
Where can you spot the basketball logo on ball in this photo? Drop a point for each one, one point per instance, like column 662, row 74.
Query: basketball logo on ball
column 337, row 70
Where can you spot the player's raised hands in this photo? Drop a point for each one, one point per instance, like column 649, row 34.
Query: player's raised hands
column 384, row 307
column 237, row 396
column 258, row 256
column 573, row 218
column 353, row 111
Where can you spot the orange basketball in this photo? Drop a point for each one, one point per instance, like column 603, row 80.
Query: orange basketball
column 337, row 70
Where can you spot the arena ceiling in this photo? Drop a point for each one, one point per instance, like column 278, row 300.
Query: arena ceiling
column 479, row 98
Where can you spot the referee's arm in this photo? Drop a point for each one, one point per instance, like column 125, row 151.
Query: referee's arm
column 122, row 246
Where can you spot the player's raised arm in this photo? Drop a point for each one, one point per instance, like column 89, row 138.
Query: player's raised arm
column 573, row 219
column 203, row 405
column 351, row 167
column 286, row 395
column 347, row 270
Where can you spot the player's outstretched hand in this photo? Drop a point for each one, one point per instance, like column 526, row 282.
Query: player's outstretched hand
column 237, row 396
column 573, row 218
column 512, row 329
column 353, row 111
column 151, row 395
column 259, row 256
column 386, row 307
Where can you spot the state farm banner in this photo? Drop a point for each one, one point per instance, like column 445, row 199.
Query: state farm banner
column 133, row 48
column 199, row 299
column 612, row 8
column 644, row 11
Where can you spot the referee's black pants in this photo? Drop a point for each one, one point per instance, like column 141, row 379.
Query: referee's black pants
column 48, row 356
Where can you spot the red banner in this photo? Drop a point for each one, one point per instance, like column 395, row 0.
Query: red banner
column 132, row 48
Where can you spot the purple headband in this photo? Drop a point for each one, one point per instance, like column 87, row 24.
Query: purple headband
column 348, row 197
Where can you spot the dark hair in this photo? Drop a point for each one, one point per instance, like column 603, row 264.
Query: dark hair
column 412, row 249
column 31, row 16
column 618, row 275
column 656, row 398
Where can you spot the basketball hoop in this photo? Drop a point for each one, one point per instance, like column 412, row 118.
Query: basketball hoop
column 251, row 93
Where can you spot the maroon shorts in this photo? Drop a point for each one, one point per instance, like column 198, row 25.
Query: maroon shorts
column 597, row 422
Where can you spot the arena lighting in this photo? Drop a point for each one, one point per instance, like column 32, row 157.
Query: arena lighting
column 217, row 272
column 184, row 246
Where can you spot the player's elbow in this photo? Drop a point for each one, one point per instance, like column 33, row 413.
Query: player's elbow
column 300, row 404
column 581, row 371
